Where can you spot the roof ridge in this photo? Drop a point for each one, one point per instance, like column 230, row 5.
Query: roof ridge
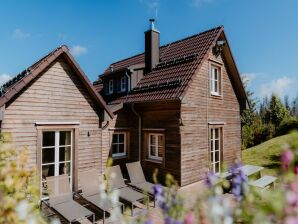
column 5, row 86
column 165, row 45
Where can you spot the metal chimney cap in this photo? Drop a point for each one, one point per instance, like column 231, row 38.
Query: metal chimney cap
column 152, row 21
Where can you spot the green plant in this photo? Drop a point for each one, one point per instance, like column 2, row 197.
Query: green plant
column 19, row 191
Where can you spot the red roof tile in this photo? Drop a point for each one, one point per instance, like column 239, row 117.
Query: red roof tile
column 178, row 62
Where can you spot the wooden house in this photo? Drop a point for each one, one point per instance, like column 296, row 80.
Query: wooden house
column 177, row 107
column 53, row 110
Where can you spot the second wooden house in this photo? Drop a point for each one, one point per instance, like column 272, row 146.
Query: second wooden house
column 177, row 107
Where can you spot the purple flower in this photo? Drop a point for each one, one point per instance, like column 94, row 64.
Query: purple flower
column 169, row 220
column 211, row 179
column 149, row 221
column 238, row 181
column 287, row 157
column 158, row 189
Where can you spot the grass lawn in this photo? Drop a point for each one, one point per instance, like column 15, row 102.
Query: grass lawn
column 268, row 153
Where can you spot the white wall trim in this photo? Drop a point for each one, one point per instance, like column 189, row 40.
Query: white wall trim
column 39, row 123
column 216, row 123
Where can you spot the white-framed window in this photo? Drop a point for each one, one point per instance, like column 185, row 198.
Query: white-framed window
column 111, row 86
column 56, row 155
column 156, row 146
column 119, row 144
column 215, row 149
column 215, row 80
column 123, row 84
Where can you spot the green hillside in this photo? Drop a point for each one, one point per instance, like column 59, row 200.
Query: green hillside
column 268, row 153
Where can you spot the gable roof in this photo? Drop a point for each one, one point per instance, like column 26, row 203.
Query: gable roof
column 10, row 89
column 179, row 61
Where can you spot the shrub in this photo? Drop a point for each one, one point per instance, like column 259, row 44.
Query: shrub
column 287, row 125
column 19, row 193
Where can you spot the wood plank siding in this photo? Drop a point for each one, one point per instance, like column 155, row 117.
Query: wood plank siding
column 198, row 108
column 57, row 95
column 156, row 117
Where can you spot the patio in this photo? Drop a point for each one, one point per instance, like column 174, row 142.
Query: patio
column 189, row 192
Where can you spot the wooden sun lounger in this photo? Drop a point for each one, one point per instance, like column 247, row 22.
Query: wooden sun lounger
column 125, row 192
column 90, row 185
column 61, row 200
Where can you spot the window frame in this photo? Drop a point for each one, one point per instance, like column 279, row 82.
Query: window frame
column 123, row 154
column 111, row 86
column 157, row 145
column 57, row 161
column 218, row 80
column 213, row 150
column 123, row 84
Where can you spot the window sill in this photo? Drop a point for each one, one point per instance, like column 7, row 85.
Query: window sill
column 119, row 157
column 216, row 95
column 154, row 161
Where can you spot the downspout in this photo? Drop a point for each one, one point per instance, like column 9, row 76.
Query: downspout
column 140, row 128
column 128, row 81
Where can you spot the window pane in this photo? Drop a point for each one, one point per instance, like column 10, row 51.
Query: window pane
column 114, row 149
column 216, row 156
column 160, row 140
column 152, row 151
column 215, row 73
column 160, row 151
column 217, row 167
column 115, row 138
column 48, row 138
column 64, row 168
column 211, row 145
column 216, row 144
column 121, row 148
column 216, row 86
column 216, row 133
column 48, row 155
column 64, row 153
column 65, row 137
column 211, row 157
column 121, row 138
column 152, row 139
column 48, row 171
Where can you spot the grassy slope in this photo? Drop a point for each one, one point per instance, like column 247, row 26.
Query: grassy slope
column 268, row 153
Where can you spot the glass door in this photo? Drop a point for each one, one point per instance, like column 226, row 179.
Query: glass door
column 56, row 155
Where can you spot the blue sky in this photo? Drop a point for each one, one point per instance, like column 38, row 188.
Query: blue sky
column 263, row 33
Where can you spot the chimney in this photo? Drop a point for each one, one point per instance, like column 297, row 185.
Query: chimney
column 151, row 47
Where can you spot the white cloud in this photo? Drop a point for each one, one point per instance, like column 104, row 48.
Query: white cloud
column 4, row 78
column 78, row 50
column 280, row 87
column 19, row 34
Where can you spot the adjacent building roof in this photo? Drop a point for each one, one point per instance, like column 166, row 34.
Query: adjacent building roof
column 178, row 63
column 10, row 89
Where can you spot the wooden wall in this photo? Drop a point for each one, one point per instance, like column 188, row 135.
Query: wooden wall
column 57, row 95
column 154, row 116
column 197, row 109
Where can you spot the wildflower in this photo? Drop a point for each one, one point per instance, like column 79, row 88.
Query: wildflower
column 296, row 169
column 287, row 157
column 189, row 218
column 149, row 221
column 211, row 179
column 238, row 181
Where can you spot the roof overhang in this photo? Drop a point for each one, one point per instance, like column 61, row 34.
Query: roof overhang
column 44, row 63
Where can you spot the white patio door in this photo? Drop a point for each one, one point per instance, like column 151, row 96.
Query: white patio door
column 56, row 155
column 215, row 149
